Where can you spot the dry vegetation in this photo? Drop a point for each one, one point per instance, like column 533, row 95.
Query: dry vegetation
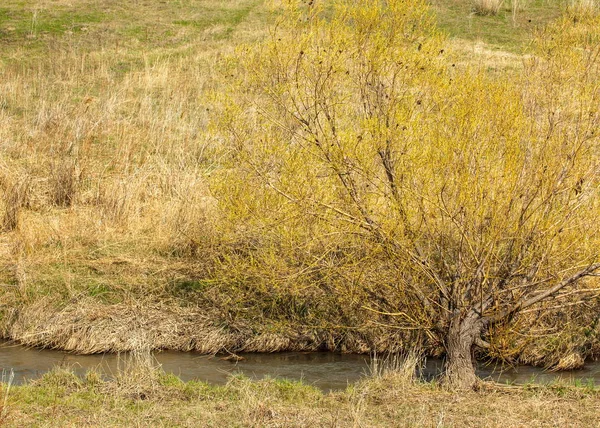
column 125, row 212
column 487, row 7
column 389, row 399
column 104, row 151
column 584, row 7
column 354, row 139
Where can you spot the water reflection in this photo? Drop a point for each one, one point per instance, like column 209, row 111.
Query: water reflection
column 325, row 370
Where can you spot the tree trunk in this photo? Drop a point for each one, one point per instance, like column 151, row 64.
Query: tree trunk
column 460, row 368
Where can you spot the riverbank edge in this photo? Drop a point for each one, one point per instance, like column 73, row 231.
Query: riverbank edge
column 92, row 328
column 87, row 327
column 388, row 399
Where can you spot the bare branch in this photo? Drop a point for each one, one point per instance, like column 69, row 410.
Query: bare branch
column 525, row 303
column 482, row 343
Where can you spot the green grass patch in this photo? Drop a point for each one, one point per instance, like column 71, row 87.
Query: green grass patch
column 507, row 30
column 55, row 22
column 66, row 400
column 227, row 18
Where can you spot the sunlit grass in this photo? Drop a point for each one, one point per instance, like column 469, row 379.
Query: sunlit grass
column 511, row 28
column 109, row 211
column 158, row 399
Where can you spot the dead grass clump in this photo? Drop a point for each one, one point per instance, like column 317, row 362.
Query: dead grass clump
column 138, row 375
column 487, row 7
column 64, row 180
column 573, row 361
column 402, row 367
column 117, row 199
column 260, row 400
column 88, row 327
column 257, row 404
column 583, row 8
column 16, row 198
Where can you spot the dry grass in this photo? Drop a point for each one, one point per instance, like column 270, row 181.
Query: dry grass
column 512, row 29
column 138, row 375
column 402, row 366
column 487, row 7
column 105, row 157
column 88, row 327
column 111, row 229
column 582, row 8
column 15, row 199
column 114, row 132
column 156, row 399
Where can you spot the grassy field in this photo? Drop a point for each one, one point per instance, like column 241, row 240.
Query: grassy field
column 111, row 233
column 104, row 107
column 151, row 398
column 509, row 30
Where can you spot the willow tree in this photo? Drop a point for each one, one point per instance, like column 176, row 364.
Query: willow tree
column 479, row 193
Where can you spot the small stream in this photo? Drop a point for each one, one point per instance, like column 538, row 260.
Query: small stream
column 325, row 370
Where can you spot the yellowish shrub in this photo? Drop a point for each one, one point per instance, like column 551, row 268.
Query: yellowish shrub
column 469, row 194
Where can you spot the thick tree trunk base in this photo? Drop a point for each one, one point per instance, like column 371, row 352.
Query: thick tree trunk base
column 460, row 376
column 459, row 372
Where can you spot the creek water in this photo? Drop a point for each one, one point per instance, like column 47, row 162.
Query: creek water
column 325, row 370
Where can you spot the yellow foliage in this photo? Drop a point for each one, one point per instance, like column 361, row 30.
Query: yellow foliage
column 473, row 196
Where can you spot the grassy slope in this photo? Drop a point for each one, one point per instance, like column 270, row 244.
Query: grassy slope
column 110, row 97
column 509, row 30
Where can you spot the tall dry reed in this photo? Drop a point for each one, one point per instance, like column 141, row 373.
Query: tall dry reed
column 6, row 381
